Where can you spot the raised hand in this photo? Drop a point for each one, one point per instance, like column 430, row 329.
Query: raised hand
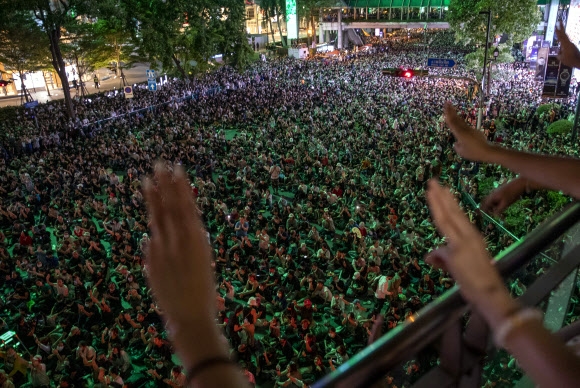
column 504, row 196
column 465, row 257
column 569, row 53
column 179, row 272
column 470, row 143
column 179, row 256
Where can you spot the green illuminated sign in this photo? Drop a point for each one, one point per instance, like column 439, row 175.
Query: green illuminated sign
column 291, row 19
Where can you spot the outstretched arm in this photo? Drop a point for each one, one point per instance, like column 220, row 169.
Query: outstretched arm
column 543, row 356
column 551, row 172
column 569, row 53
column 507, row 194
column 179, row 273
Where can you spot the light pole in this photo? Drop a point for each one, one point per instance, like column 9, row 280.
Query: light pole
column 495, row 55
column 482, row 93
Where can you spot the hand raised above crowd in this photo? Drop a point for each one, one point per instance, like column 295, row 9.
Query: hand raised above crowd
column 466, row 258
column 180, row 276
column 177, row 247
column 569, row 53
column 504, row 196
column 470, row 143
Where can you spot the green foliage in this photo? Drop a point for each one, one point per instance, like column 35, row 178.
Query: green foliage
column 544, row 108
column 474, row 60
column 486, row 186
column 52, row 18
column 234, row 45
column 8, row 114
column 184, row 35
column 23, row 45
column 517, row 217
column 275, row 8
column 517, row 18
column 560, row 127
column 520, row 220
column 557, row 200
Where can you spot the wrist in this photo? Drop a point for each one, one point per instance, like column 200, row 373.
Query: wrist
column 515, row 321
column 498, row 308
column 192, row 345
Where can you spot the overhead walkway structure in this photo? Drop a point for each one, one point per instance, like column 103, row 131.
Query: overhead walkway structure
column 379, row 15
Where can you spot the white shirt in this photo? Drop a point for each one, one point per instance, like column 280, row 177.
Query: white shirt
column 381, row 292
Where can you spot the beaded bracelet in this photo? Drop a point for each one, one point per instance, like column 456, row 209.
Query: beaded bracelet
column 515, row 321
column 205, row 364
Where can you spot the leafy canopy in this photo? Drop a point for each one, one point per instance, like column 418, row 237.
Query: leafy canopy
column 516, row 18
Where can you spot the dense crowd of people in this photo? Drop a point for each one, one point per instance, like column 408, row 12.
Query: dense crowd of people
column 310, row 179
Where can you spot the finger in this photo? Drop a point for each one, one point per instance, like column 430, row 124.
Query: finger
column 455, row 123
column 453, row 213
column 441, row 202
column 154, row 205
column 439, row 257
column 376, row 330
column 489, row 204
column 166, row 186
column 184, row 204
column 561, row 33
column 174, row 220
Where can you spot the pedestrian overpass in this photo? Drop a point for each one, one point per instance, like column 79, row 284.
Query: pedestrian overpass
column 377, row 15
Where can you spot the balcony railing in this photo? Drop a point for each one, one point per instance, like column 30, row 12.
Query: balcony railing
column 461, row 347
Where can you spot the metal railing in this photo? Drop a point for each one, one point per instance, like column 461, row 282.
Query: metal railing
column 467, row 198
column 462, row 351
column 194, row 97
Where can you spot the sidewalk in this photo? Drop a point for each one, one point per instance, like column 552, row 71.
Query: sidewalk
column 108, row 82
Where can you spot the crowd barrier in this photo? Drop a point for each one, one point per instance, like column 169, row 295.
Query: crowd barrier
column 193, row 97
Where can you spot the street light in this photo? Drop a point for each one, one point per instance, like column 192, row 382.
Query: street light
column 495, row 55
column 482, row 97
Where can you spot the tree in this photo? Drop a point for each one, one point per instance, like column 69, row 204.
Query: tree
column 23, row 47
column 275, row 8
column 310, row 9
column 157, row 25
column 179, row 32
column 53, row 18
column 516, row 18
column 474, row 60
column 234, row 46
column 118, row 46
column 82, row 46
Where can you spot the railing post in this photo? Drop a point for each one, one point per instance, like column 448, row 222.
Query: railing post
column 451, row 351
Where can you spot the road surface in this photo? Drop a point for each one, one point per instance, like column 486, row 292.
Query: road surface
column 108, row 82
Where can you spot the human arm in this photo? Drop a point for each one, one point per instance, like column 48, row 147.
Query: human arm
column 185, row 295
column 551, row 172
column 545, row 358
column 505, row 195
column 569, row 53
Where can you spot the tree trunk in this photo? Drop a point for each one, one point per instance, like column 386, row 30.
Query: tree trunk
column 23, row 87
column 313, row 30
column 280, row 29
column 60, row 68
column 45, row 83
column 118, row 59
column 80, row 73
column 271, row 28
column 179, row 67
